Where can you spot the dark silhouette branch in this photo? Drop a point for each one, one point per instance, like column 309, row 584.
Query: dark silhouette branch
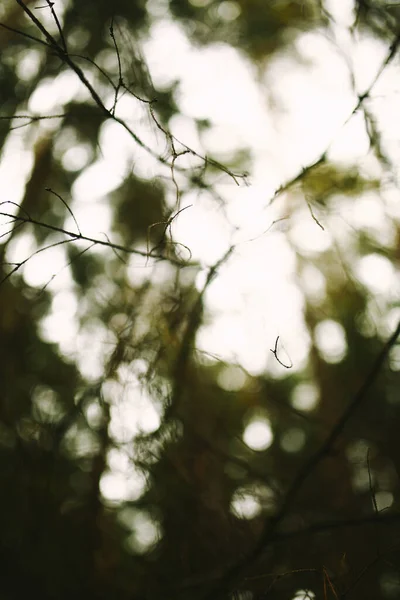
column 97, row 241
column 269, row 533
column 394, row 46
column 62, row 53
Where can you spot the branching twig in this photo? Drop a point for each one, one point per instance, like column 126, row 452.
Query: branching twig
column 66, row 206
column 66, row 58
column 275, row 353
column 269, row 533
column 187, row 343
column 360, row 101
column 97, row 241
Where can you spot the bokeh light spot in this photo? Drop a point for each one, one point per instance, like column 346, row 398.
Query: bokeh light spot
column 258, row 434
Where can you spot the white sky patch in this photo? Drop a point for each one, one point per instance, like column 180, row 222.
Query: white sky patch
column 43, row 99
column 341, row 150
column 368, row 212
column 51, row 94
column 21, row 246
column 245, row 207
column 157, row 8
column 304, row 595
column 184, row 129
column 97, row 180
column 28, row 65
column 245, row 506
column 123, row 481
column 76, row 157
column 94, row 344
column 60, row 326
column 391, row 320
column 225, row 338
column 46, row 265
column 313, row 283
column 308, row 237
column 217, row 83
column 94, row 219
column 258, row 434
column 367, row 57
column 55, row 329
column 376, row 272
column 229, row 11
column 116, row 487
column 117, row 146
column 391, row 198
column 202, row 228
column 222, row 139
column 383, row 501
column 342, row 12
column 317, row 102
column 330, row 339
column 132, row 416
column 94, row 414
column 145, row 531
column 15, row 165
column 305, row 396
column 248, row 501
column 254, row 300
column 219, row 86
column 132, row 408
column 232, row 378
column 167, row 51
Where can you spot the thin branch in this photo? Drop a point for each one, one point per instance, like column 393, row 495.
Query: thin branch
column 26, row 35
column 58, row 25
column 367, row 568
column 23, row 262
column 371, row 486
column 360, row 101
column 374, row 519
column 79, row 236
column 66, row 206
column 268, row 535
column 31, row 119
column 187, row 343
column 108, row 113
column 299, row 177
column 120, row 78
column 167, row 226
column 94, row 64
column 275, row 353
column 69, row 263
column 310, row 208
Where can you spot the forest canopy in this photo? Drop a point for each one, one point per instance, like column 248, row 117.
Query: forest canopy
column 199, row 299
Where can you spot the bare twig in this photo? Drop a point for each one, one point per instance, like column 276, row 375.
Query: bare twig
column 275, row 353
column 66, row 206
column 360, row 102
column 66, row 58
column 187, row 343
column 97, row 241
column 269, row 533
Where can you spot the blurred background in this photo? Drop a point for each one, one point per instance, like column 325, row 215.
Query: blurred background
column 199, row 241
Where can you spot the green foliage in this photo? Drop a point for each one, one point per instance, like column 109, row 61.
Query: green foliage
column 261, row 29
column 139, row 210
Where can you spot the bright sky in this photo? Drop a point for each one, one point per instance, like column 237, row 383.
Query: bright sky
column 256, row 296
